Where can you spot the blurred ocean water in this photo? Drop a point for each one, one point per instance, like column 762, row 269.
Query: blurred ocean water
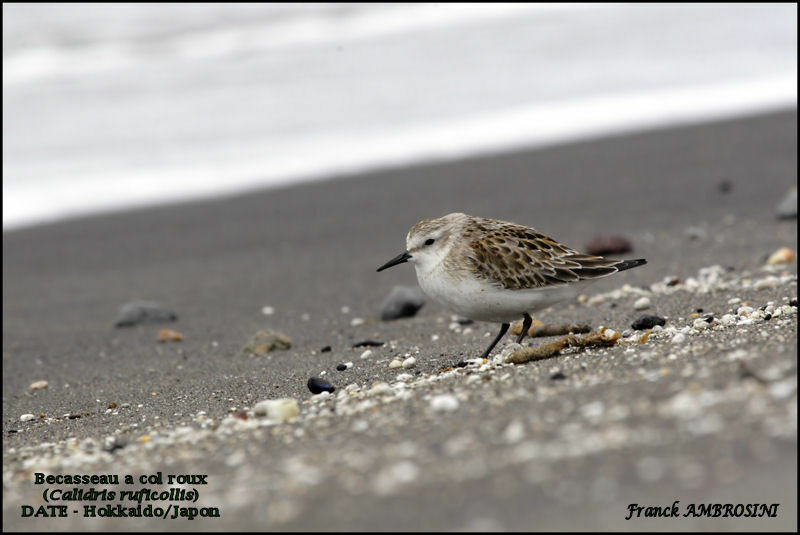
column 114, row 106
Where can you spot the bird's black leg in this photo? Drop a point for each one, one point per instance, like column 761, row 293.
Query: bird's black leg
column 503, row 329
column 526, row 324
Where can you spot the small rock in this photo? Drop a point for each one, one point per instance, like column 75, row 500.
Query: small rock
column 410, row 362
column 395, row 364
column 368, row 343
column 787, row 208
column 136, row 312
column 317, row 385
column 341, row 367
column 355, row 322
column 784, row 255
column 26, row 417
column 558, row 376
column 168, row 335
column 647, row 321
column 277, row 409
column 325, row 349
column 366, row 354
column 265, row 341
column 696, row 233
column 402, row 302
column 642, row 303
column 679, row 338
column 38, row 385
column 608, row 244
column 268, row 311
column 444, row 403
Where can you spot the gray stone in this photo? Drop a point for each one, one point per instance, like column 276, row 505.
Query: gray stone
column 787, row 208
column 136, row 312
column 402, row 302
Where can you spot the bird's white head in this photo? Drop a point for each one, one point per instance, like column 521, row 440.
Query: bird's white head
column 429, row 241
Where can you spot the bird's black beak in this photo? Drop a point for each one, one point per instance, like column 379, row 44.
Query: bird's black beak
column 399, row 259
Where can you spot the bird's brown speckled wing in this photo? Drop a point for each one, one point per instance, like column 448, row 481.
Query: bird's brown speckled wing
column 520, row 258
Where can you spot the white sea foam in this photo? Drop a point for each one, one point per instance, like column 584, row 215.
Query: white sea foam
column 290, row 162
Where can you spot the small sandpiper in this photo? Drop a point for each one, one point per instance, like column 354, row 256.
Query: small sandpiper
column 497, row 271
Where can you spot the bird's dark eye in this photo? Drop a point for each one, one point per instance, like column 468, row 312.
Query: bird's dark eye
column 429, row 241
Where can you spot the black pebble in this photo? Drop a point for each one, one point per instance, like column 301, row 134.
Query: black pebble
column 699, row 310
column 793, row 302
column 647, row 321
column 558, row 376
column 325, row 349
column 461, row 364
column 465, row 321
column 708, row 317
column 318, row 386
column 117, row 444
column 341, row 367
column 768, row 317
column 368, row 343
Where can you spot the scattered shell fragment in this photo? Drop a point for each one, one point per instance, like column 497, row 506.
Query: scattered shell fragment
column 277, row 409
column 410, row 362
column 38, row 385
column 784, row 255
column 642, row 303
column 396, row 363
column 26, row 417
column 380, row 388
column 265, row 341
column 444, row 403
column 168, row 335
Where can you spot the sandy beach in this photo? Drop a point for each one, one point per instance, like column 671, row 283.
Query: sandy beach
column 705, row 420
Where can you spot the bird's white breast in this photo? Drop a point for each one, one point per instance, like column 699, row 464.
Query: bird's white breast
column 479, row 300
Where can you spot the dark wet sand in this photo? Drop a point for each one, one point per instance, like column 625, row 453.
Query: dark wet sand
column 313, row 249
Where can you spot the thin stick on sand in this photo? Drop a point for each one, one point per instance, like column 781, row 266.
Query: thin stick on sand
column 550, row 329
column 601, row 338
